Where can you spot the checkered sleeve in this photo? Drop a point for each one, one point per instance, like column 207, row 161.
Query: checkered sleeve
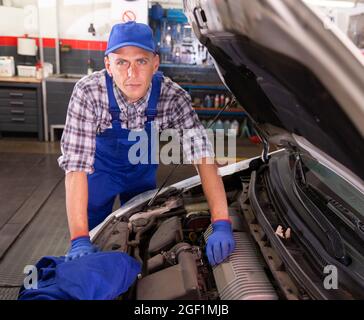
column 79, row 135
column 195, row 141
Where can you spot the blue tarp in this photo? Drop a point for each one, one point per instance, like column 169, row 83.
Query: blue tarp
column 98, row 276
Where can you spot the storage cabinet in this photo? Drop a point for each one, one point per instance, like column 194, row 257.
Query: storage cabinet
column 21, row 108
column 58, row 96
column 59, row 92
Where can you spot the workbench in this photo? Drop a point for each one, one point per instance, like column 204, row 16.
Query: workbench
column 21, row 105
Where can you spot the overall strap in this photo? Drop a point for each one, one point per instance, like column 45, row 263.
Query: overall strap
column 114, row 109
column 151, row 110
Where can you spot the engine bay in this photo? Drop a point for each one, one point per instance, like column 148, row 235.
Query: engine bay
column 169, row 240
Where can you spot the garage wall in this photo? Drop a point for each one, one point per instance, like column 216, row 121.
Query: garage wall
column 70, row 19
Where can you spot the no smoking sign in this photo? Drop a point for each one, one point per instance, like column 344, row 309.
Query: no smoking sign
column 128, row 16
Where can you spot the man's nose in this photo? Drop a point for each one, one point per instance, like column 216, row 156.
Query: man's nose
column 132, row 70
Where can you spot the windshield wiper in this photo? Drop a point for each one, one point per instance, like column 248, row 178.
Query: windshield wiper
column 348, row 217
column 309, row 197
column 334, row 206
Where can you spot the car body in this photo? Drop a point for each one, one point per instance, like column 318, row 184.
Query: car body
column 297, row 213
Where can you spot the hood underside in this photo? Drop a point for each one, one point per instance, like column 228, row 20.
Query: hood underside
column 289, row 70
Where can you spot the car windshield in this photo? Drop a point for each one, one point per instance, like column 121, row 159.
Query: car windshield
column 348, row 15
column 334, row 186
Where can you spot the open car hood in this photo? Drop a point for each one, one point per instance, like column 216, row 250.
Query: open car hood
column 299, row 78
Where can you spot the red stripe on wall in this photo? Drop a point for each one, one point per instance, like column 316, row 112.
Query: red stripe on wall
column 8, row 41
column 85, row 44
column 51, row 43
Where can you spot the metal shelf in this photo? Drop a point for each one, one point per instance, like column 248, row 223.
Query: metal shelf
column 212, row 111
column 197, row 86
column 189, row 66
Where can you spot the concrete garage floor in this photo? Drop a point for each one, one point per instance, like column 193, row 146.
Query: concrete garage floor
column 33, row 219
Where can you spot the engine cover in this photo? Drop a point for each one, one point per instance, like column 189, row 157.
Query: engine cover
column 167, row 235
column 242, row 276
column 177, row 282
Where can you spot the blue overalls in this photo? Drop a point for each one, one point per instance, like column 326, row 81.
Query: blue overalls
column 114, row 174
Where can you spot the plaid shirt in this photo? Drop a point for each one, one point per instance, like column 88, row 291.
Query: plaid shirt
column 88, row 113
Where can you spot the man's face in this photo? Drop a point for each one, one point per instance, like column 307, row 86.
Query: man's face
column 132, row 69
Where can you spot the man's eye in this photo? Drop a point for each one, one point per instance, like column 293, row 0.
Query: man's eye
column 122, row 62
column 142, row 61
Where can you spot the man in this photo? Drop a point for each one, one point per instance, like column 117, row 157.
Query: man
column 105, row 106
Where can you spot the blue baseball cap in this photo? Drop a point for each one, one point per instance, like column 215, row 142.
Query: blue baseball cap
column 130, row 34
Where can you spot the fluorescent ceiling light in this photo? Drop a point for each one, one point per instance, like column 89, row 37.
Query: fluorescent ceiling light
column 331, row 3
column 46, row 3
column 83, row 2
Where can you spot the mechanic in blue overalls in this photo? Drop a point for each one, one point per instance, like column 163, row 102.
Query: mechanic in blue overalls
column 95, row 150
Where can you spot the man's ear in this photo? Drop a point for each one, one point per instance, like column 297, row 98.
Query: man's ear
column 156, row 63
column 107, row 65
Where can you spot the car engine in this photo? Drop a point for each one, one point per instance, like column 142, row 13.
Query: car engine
column 169, row 240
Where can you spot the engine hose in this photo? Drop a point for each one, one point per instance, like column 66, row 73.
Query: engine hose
column 172, row 214
column 144, row 229
column 136, row 242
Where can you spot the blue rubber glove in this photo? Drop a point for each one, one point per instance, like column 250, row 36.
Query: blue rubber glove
column 220, row 243
column 80, row 246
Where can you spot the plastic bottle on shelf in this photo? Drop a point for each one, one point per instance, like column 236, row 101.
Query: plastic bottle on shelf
column 204, row 123
column 227, row 100
column 234, row 127
column 217, row 101
column 207, row 101
column 211, row 102
column 222, row 100
column 219, row 125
